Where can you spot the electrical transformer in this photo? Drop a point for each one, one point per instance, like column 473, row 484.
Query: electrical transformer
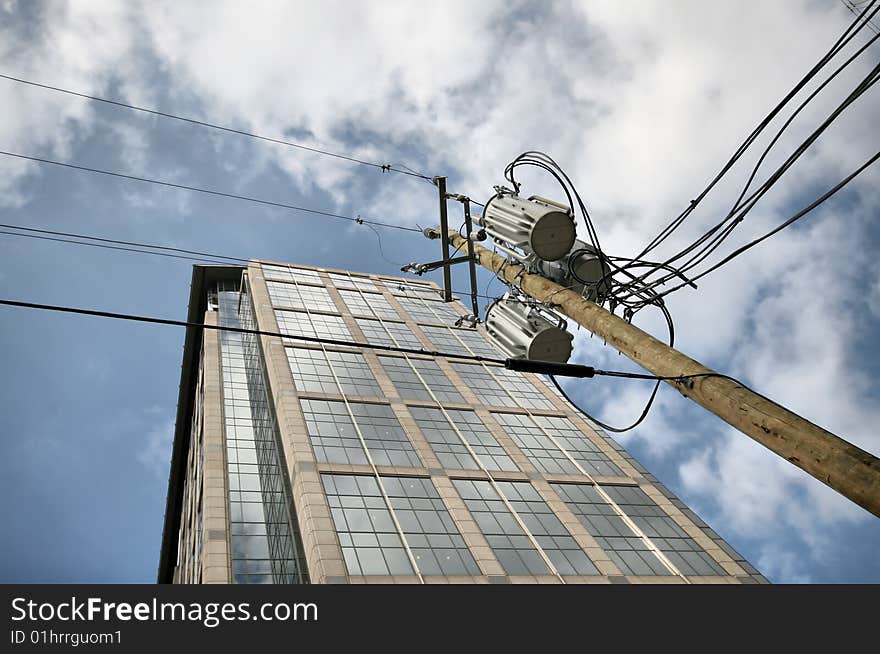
column 537, row 226
column 523, row 332
column 581, row 270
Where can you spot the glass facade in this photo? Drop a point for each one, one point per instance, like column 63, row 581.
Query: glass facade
column 261, row 515
column 414, row 466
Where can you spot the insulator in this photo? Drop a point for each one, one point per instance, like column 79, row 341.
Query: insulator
column 520, row 331
column 536, row 226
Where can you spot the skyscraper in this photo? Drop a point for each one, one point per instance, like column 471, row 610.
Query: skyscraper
column 299, row 461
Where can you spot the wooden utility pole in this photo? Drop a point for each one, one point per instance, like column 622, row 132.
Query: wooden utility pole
column 841, row 465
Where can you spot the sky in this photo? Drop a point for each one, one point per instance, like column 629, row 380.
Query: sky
column 640, row 104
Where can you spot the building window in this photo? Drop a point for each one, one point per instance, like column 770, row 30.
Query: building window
column 377, row 333
column 293, row 295
column 483, row 384
column 512, row 547
column 447, row 444
column 627, row 550
column 411, row 289
column 335, row 439
column 429, row 311
column 522, row 388
column 299, row 323
column 352, row 281
column 368, row 304
column 410, row 387
column 475, row 342
column 370, row 543
column 290, row 274
column 311, row 372
column 530, row 435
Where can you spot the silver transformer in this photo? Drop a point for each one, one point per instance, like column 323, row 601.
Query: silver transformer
column 524, row 332
column 536, row 226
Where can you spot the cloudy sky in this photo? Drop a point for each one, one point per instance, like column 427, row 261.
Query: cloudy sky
column 640, row 103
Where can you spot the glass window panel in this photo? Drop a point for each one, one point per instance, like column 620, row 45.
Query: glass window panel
column 411, row 288
column 429, row 311
column 311, row 372
column 335, row 439
column 512, row 547
column 352, row 281
column 430, row 532
column 483, row 384
column 631, row 554
column 384, row 332
column 300, row 323
column 447, row 444
column 368, row 304
column 291, row 274
column 294, row 295
column 410, row 387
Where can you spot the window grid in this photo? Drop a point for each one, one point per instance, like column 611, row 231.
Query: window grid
column 510, row 543
column 371, row 545
column 346, row 281
column 287, row 274
column 368, row 304
column 335, row 438
column 628, row 551
column 447, row 445
column 410, row 387
column 483, row 384
column 311, row 372
column 299, row 323
column 376, row 334
column 294, row 295
column 522, row 389
column 422, row 310
column 411, row 289
column 530, row 435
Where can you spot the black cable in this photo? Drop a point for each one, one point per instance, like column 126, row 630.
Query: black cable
column 258, row 332
column 404, row 170
column 119, row 242
column 208, row 191
column 842, row 41
column 207, row 257
column 800, row 214
column 113, row 247
column 382, row 251
column 633, row 375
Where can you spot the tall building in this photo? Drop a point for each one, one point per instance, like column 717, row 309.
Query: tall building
column 300, row 461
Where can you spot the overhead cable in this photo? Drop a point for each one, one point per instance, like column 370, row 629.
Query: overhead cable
column 394, row 168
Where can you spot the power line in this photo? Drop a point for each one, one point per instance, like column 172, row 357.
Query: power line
column 197, row 189
column 207, row 257
column 582, row 371
column 118, row 242
column 111, row 247
column 240, row 330
column 404, row 170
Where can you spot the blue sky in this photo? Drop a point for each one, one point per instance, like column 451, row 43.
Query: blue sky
column 640, row 108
